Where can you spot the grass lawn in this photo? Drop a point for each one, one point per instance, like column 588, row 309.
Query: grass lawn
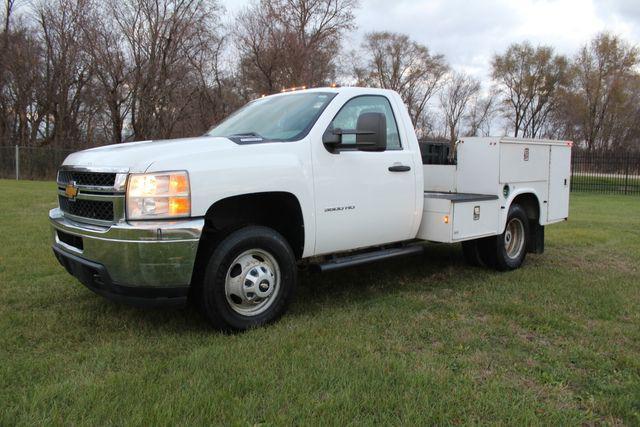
column 421, row 340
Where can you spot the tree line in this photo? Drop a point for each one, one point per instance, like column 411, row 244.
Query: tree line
column 77, row 73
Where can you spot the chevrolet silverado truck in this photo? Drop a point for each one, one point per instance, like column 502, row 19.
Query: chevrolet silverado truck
column 331, row 177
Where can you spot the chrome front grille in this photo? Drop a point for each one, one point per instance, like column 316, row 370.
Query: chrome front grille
column 99, row 194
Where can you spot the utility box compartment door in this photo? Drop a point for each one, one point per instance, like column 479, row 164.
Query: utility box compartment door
column 523, row 162
column 472, row 220
column 454, row 217
column 559, row 183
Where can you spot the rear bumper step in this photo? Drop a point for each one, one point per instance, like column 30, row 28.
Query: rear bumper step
column 367, row 257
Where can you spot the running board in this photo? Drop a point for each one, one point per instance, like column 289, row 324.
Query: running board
column 367, row 257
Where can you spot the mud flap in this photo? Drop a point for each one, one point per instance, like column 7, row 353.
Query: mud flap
column 536, row 238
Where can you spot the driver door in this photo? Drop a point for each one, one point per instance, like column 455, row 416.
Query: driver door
column 363, row 198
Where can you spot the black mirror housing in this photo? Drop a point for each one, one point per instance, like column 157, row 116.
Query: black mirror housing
column 370, row 132
column 332, row 137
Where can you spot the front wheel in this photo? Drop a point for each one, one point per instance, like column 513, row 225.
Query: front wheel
column 249, row 280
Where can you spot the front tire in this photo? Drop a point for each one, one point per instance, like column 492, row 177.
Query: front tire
column 249, row 279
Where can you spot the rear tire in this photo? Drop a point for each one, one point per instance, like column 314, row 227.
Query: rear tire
column 508, row 250
column 249, row 280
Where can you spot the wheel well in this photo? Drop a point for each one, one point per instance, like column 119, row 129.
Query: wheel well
column 278, row 210
column 530, row 204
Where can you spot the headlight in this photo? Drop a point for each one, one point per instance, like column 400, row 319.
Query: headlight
column 158, row 195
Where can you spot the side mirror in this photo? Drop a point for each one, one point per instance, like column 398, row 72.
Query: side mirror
column 370, row 134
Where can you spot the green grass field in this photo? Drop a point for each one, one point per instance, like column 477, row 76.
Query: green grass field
column 423, row 340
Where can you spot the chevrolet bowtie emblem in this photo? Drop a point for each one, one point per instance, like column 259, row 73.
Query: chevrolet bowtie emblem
column 71, row 190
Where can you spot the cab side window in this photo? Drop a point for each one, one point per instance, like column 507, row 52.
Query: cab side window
column 348, row 115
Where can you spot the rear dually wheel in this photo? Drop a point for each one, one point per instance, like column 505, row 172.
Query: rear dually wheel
column 510, row 247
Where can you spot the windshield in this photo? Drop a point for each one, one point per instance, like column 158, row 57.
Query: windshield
column 282, row 118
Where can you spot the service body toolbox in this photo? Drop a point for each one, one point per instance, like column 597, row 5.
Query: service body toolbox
column 469, row 200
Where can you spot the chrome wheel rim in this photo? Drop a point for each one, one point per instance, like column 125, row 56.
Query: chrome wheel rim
column 514, row 238
column 252, row 282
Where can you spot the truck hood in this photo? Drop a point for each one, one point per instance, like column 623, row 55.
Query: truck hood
column 137, row 157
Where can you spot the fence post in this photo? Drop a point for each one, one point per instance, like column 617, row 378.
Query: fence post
column 17, row 162
column 626, row 175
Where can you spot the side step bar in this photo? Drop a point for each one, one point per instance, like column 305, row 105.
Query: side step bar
column 367, row 257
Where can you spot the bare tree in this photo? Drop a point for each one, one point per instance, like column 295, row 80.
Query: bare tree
column 21, row 80
column 603, row 99
column 529, row 79
column 8, row 9
column 262, row 51
column 67, row 68
column 163, row 39
column 481, row 113
column 454, row 100
column 88, row 72
column 110, row 68
column 396, row 62
column 82, row 72
column 218, row 91
column 313, row 30
column 286, row 43
column 5, row 109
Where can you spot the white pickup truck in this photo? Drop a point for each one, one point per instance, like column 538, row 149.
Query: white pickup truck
column 331, row 177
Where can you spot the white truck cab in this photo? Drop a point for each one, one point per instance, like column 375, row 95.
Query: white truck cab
column 332, row 177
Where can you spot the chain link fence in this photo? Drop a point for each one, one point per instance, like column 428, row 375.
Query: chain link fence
column 36, row 163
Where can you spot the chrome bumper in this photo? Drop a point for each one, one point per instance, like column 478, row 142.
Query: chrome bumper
column 139, row 254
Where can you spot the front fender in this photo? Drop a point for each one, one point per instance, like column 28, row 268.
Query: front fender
column 247, row 169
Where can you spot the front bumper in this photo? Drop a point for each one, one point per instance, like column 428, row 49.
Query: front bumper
column 142, row 262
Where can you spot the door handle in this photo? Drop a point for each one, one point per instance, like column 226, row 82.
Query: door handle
column 399, row 168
